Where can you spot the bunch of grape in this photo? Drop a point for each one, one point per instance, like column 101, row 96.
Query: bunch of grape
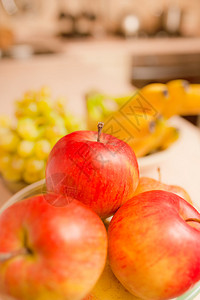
column 25, row 145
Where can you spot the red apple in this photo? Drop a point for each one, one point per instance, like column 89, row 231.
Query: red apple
column 149, row 184
column 154, row 242
column 100, row 171
column 49, row 252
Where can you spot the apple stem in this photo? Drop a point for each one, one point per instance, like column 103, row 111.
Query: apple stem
column 192, row 220
column 159, row 174
column 6, row 256
column 100, row 127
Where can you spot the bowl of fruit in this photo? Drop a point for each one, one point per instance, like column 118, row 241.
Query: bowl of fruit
column 25, row 142
column 56, row 241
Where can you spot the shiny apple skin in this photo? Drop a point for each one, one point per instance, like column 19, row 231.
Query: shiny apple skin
column 103, row 175
column 152, row 250
column 68, row 247
column 149, row 184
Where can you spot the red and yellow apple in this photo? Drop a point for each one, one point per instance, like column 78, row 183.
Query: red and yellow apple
column 50, row 251
column 153, row 245
column 149, row 184
column 100, row 171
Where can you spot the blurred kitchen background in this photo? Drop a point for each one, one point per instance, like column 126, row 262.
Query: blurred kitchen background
column 97, row 18
column 88, row 51
column 35, row 27
column 145, row 41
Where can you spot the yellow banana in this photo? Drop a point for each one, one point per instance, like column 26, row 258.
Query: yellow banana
column 191, row 102
column 184, row 98
column 130, row 127
column 169, row 137
column 177, row 93
column 109, row 288
column 177, row 97
column 152, row 142
column 157, row 95
column 134, row 113
column 136, row 119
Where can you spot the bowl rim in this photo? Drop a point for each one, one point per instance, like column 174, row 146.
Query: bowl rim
column 23, row 193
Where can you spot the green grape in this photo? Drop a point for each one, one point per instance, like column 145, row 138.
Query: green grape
column 96, row 113
column 5, row 160
column 40, row 124
column 12, row 175
column 25, row 148
column 31, row 110
column 54, row 141
column 26, row 110
column 41, row 131
column 55, row 119
column 17, row 163
column 53, row 132
column 72, row 124
column 99, row 105
column 27, row 129
column 30, row 177
column 9, row 142
column 42, row 149
column 44, row 107
column 94, row 99
column 24, row 106
column 34, row 165
column 3, row 131
column 59, row 106
column 5, row 122
column 41, row 121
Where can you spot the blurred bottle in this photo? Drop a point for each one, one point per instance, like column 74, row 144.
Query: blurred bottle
column 172, row 20
column 80, row 18
column 129, row 25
